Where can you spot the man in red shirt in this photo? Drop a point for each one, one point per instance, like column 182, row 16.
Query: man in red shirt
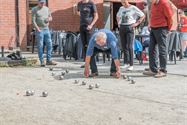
column 183, row 30
column 160, row 24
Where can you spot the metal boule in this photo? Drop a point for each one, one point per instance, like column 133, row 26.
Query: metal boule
column 83, row 83
column 67, row 71
column 63, row 73
column 28, row 93
column 53, row 74
column 76, row 81
column 97, row 85
column 60, row 77
column 129, row 78
column 32, row 92
column 125, row 77
column 133, row 82
column 50, row 69
column 91, row 87
column 44, row 94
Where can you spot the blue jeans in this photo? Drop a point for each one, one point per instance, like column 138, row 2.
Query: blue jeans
column 44, row 36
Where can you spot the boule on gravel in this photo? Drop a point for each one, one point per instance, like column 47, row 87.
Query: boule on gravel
column 91, row 86
column 125, row 77
column 97, row 85
column 53, row 74
column 32, row 92
column 44, row 94
column 76, row 81
column 83, row 83
column 28, row 93
column 60, row 77
column 67, row 71
column 63, row 73
column 50, row 69
column 129, row 78
column 133, row 82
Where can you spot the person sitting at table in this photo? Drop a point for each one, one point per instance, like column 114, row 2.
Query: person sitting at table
column 146, row 39
column 106, row 42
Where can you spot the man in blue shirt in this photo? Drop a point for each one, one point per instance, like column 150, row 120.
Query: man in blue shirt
column 102, row 41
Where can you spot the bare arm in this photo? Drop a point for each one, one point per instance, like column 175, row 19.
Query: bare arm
column 118, row 19
column 93, row 22
column 87, row 63
column 34, row 21
column 95, row 19
column 117, row 63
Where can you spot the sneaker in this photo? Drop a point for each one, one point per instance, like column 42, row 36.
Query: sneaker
column 125, row 66
column 130, row 68
column 51, row 63
column 147, row 69
column 94, row 74
column 42, row 64
column 149, row 73
column 160, row 74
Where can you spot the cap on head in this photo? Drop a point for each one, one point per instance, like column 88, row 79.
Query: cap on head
column 42, row 1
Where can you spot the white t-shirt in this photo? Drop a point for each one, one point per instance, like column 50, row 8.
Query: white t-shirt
column 129, row 15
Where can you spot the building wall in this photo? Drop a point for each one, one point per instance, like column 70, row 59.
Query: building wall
column 8, row 23
column 63, row 19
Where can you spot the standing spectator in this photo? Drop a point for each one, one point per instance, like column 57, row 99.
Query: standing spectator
column 183, row 30
column 128, row 17
column 41, row 17
column 160, row 23
column 88, row 16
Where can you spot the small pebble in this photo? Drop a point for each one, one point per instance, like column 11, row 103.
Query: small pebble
column 97, row 85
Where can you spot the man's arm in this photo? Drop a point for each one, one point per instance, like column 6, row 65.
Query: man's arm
column 118, row 72
column 87, row 63
column 115, row 56
column 96, row 17
column 34, row 20
column 89, row 53
column 168, row 13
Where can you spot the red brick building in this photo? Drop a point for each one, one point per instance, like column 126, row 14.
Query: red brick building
column 15, row 19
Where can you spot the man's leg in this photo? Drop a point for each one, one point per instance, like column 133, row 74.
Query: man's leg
column 84, row 41
column 47, row 39
column 40, row 42
column 153, row 52
column 129, row 45
column 161, row 36
column 124, row 43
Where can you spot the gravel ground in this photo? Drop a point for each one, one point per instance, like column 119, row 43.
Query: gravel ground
column 149, row 101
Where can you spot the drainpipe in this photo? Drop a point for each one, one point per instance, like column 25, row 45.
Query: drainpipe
column 17, row 22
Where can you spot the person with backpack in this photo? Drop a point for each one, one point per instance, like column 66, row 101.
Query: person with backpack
column 87, row 11
column 103, row 41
